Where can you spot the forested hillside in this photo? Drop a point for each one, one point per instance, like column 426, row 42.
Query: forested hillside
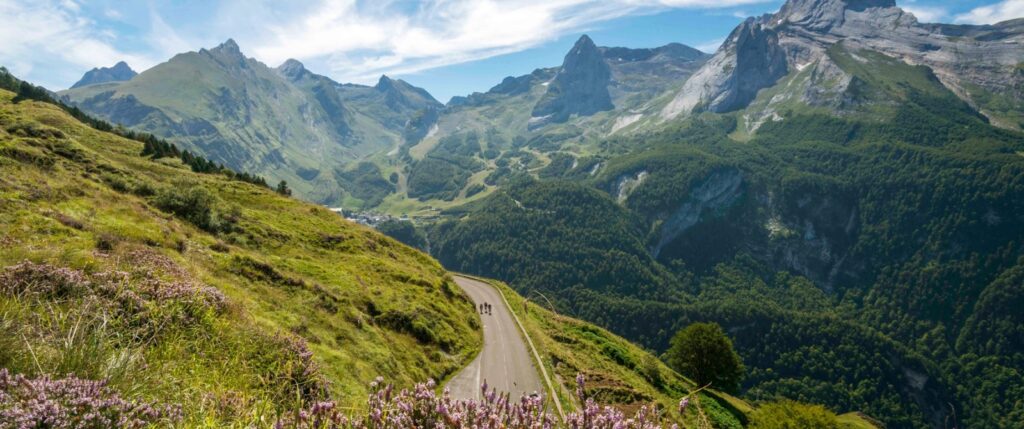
column 135, row 290
column 852, row 257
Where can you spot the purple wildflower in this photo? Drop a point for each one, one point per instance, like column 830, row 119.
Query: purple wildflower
column 73, row 403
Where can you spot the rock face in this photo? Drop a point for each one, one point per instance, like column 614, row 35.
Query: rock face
column 974, row 62
column 720, row 190
column 400, row 96
column 118, row 73
column 579, row 88
column 293, row 70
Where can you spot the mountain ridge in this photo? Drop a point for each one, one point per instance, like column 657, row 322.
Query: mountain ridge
column 117, row 73
column 800, row 33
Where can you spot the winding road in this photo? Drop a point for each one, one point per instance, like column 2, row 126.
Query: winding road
column 505, row 362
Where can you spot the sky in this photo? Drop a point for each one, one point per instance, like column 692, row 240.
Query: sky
column 449, row 47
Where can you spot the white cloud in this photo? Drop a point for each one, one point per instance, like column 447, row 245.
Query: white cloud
column 46, row 33
column 359, row 42
column 927, row 13
column 53, row 41
column 993, row 13
column 710, row 46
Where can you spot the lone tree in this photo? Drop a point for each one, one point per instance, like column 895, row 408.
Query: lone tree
column 283, row 189
column 702, row 352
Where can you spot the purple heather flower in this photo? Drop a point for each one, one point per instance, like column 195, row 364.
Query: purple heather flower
column 683, row 403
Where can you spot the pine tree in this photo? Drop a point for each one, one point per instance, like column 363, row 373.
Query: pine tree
column 282, row 188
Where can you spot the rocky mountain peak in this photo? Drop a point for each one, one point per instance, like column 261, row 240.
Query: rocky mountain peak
column 292, row 70
column 385, row 83
column 822, row 15
column 229, row 46
column 580, row 87
column 228, row 54
column 122, row 67
column 229, row 49
column 118, row 73
column 584, row 53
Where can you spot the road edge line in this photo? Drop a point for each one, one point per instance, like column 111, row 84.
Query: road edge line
column 536, row 355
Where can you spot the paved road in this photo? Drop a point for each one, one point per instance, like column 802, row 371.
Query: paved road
column 505, row 362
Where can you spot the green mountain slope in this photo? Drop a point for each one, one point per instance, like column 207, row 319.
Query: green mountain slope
column 229, row 283
column 285, row 124
column 528, row 122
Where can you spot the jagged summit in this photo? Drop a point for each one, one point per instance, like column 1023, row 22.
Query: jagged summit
column 292, row 70
column 227, row 50
column 118, row 73
column 385, row 83
column 762, row 50
column 228, row 46
column 579, row 88
column 824, row 14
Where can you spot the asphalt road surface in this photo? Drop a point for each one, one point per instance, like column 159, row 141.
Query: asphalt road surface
column 505, row 362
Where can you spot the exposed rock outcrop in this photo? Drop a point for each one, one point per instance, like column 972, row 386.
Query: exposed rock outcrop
column 720, row 190
column 972, row 61
column 120, row 72
column 579, row 88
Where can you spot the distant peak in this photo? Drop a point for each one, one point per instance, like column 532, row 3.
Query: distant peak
column 292, row 63
column 117, row 73
column 385, row 83
column 584, row 44
column 582, row 51
column 292, row 69
column 228, row 47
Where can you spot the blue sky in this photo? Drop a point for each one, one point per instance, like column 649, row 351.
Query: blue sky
column 449, row 47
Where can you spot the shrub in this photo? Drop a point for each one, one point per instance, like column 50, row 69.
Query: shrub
column 702, row 352
column 105, row 241
column 117, row 183
column 220, row 247
column 189, row 201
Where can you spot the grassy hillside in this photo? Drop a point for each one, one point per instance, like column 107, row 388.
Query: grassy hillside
column 192, row 289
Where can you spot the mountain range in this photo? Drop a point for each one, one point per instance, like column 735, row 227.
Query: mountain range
column 839, row 185
column 285, row 123
column 141, row 284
